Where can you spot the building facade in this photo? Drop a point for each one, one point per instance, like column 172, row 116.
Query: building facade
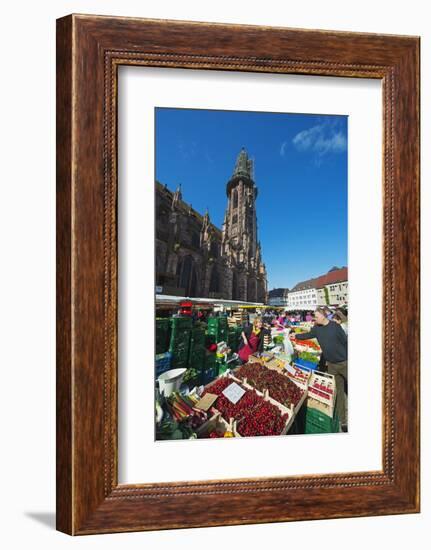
column 338, row 293
column 278, row 297
column 195, row 258
column 330, row 289
column 303, row 298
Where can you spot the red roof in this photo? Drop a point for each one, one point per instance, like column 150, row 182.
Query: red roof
column 333, row 276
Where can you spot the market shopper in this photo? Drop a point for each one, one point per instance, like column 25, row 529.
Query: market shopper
column 333, row 341
column 252, row 340
column 267, row 317
column 341, row 319
column 328, row 312
column 281, row 321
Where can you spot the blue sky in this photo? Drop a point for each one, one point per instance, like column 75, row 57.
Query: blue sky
column 300, row 171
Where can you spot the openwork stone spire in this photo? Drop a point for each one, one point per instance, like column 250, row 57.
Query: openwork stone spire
column 243, row 166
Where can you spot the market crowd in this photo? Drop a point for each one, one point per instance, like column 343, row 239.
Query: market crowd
column 329, row 327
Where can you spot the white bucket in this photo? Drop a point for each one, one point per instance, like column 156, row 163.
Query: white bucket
column 170, row 381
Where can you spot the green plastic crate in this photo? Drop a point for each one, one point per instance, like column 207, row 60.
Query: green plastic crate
column 215, row 338
column 180, row 358
column 222, row 368
column 217, row 321
column 179, row 363
column 197, row 356
column 210, row 360
column 198, row 335
column 198, row 360
column 180, row 354
column 163, row 328
column 318, row 422
column 180, row 332
column 178, row 344
column 181, row 322
column 223, row 332
column 233, row 339
column 178, row 339
column 197, row 342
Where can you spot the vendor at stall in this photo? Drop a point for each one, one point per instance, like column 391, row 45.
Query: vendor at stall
column 333, row 341
column 252, row 340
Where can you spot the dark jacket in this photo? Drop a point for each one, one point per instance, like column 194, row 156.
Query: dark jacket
column 247, row 331
column 332, row 339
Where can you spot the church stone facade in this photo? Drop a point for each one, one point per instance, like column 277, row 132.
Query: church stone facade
column 195, row 258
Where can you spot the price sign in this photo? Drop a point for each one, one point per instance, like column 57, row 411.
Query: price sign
column 289, row 368
column 233, row 392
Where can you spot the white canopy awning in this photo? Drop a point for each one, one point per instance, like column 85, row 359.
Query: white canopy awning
column 165, row 299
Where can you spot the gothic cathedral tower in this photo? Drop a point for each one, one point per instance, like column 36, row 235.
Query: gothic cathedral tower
column 240, row 246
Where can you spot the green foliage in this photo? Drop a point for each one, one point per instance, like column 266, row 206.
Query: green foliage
column 191, row 377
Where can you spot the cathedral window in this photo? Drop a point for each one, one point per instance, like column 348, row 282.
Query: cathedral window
column 234, row 218
column 195, row 239
column 235, row 198
column 214, row 281
column 214, row 249
column 187, row 276
column 162, row 213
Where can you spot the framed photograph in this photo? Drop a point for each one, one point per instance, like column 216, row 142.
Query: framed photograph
column 237, row 274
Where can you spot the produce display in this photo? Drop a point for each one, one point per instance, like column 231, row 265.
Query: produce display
column 276, row 381
column 322, row 385
column 309, row 356
column 181, row 408
column 248, row 402
column 170, row 429
column 279, row 386
column 275, row 364
column 217, row 386
column 215, row 427
column 265, row 419
column 254, row 415
column 191, row 377
column 308, row 344
column 301, row 375
column 321, row 391
column 229, row 410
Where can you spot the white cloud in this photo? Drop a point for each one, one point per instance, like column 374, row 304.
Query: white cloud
column 321, row 139
column 283, row 148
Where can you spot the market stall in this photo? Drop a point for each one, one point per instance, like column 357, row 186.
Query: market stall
column 203, row 390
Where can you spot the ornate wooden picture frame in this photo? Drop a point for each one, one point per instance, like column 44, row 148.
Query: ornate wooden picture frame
column 89, row 51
